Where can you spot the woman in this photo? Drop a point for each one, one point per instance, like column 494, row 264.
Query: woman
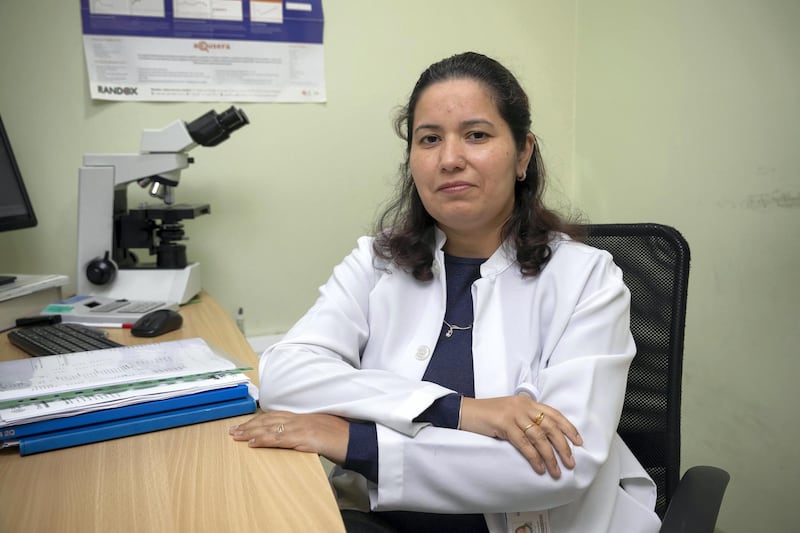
column 465, row 368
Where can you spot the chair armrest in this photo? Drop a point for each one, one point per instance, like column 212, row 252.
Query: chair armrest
column 695, row 504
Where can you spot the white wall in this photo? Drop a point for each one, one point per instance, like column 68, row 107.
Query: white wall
column 687, row 114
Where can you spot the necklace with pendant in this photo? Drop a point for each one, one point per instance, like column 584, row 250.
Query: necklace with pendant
column 454, row 327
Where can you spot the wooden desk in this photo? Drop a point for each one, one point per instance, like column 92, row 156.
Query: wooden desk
column 189, row 479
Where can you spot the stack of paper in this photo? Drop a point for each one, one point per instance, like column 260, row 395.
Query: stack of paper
column 57, row 401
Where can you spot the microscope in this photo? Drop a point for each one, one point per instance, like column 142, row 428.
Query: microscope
column 108, row 230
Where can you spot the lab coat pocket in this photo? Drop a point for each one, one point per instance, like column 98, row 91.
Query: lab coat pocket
column 632, row 515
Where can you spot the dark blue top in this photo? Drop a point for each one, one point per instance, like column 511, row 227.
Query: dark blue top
column 451, row 367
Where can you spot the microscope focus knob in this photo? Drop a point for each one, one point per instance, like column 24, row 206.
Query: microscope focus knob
column 101, row 270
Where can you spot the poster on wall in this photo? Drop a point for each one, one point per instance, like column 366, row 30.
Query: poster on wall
column 204, row 50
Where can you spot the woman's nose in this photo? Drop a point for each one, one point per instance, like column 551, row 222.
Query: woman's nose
column 452, row 156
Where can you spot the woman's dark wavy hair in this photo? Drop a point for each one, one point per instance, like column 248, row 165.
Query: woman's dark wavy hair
column 404, row 231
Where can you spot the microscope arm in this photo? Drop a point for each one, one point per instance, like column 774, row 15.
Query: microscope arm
column 126, row 168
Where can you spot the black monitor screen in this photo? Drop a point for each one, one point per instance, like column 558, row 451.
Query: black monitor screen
column 16, row 210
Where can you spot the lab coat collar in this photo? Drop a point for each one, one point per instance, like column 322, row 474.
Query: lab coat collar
column 503, row 258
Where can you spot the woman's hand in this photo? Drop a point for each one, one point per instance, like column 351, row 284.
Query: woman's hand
column 326, row 435
column 537, row 430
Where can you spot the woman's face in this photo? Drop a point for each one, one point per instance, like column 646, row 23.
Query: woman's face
column 464, row 160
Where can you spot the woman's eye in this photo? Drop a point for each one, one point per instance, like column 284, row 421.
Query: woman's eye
column 478, row 135
column 428, row 139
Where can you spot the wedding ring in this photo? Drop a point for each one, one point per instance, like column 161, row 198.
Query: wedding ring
column 539, row 418
column 526, row 428
column 280, row 429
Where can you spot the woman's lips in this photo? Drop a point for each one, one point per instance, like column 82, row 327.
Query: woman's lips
column 454, row 186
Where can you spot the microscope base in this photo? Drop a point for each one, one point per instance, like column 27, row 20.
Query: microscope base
column 157, row 284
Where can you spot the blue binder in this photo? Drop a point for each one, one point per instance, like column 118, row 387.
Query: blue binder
column 119, row 413
column 135, row 426
column 131, row 420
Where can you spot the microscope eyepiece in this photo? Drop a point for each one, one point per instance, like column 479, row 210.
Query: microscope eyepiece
column 213, row 128
column 233, row 119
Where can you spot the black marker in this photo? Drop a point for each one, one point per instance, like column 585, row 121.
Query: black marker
column 40, row 320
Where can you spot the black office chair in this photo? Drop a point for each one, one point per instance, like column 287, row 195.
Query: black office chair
column 655, row 264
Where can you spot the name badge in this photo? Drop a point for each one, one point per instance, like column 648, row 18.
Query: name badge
column 528, row 522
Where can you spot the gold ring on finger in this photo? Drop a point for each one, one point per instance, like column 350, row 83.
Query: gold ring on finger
column 539, row 418
column 526, row 428
column 280, row 429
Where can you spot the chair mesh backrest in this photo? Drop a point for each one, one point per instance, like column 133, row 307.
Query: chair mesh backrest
column 655, row 263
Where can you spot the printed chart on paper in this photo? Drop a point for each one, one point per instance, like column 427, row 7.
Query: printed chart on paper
column 204, row 50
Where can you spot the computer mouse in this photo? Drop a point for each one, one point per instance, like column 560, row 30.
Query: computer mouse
column 157, row 323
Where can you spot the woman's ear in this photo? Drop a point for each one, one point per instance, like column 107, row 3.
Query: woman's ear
column 525, row 154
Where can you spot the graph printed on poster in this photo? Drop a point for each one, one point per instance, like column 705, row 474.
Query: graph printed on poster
column 204, row 50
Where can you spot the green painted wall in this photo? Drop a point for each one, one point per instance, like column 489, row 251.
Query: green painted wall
column 291, row 192
column 687, row 114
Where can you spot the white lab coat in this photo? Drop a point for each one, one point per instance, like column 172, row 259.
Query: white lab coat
column 562, row 337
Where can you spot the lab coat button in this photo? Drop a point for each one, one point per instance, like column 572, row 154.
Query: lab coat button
column 435, row 267
column 423, row 352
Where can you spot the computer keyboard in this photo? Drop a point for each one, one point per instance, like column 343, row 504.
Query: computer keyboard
column 59, row 338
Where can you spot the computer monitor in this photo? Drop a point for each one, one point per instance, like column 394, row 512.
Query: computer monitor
column 16, row 211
